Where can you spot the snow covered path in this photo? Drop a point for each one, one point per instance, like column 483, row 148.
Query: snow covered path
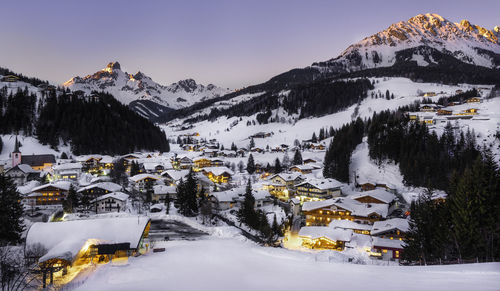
column 228, row 264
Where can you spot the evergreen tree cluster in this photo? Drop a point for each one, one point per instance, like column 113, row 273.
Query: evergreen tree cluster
column 17, row 111
column 98, row 125
column 12, row 211
column 463, row 227
column 424, row 158
column 187, row 196
column 338, row 154
column 257, row 219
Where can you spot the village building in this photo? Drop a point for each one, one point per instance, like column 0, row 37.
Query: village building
column 378, row 196
column 172, row 177
column 161, row 192
column 112, row 202
column 21, row 174
column 63, row 248
column 283, row 185
column 394, row 228
column 141, row 181
column 474, row 100
column 429, row 107
column 387, row 249
column 323, row 237
column 67, row 171
column 318, row 189
column 444, row 111
column 49, row 195
column 218, row 174
column 359, row 228
column 224, row 200
column 303, row 169
column 99, row 189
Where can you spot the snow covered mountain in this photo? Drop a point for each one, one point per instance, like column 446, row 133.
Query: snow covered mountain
column 422, row 34
column 136, row 87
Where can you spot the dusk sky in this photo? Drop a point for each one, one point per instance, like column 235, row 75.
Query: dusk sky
column 228, row 43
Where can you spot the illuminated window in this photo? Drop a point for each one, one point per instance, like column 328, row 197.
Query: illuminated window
column 384, row 251
column 397, row 254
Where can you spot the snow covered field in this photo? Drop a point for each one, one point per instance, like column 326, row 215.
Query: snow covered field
column 229, row 264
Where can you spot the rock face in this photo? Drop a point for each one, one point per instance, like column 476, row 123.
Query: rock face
column 466, row 42
column 127, row 88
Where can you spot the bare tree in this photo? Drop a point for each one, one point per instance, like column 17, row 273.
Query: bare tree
column 16, row 273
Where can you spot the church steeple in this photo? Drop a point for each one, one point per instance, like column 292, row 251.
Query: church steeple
column 16, row 154
column 16, row 147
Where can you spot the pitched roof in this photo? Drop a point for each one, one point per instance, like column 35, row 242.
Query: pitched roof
column 379, row 194
column 322, row 184
column 218, row 170
column 387, row 243
column 140, row 177
column 315, row 232
column 62, row 185
column 390, row 224
column 38, row 160
column 109, row 186
column 115, row 195
column 27, row 169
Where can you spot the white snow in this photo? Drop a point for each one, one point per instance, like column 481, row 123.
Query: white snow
column 228, row 264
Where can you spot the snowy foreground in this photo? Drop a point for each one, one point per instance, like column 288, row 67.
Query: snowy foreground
column 229, row 264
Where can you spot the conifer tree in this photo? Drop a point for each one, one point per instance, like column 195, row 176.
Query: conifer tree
column 297, row 158
column 277, row 166
column 12, row 211
column 247, row 213
column 250, row 165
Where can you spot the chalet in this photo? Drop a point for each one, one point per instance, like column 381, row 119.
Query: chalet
column 218, row 174
column 318, row 189
column 99, row 189
column 185, row 162
column 303, row 169
column 216, row 162
column 261, row 135
column 367, row 186
column 459, row 91
column 429, row 107
column 51, row 194
column 325, row 211
column 224, row 200
column 112, row 202
column 90, row 163
column 141, row 181
column 21, row 174
column 283, row 185
column 310, row 161
column 377, row 196
column 429, row 94
column 67, row 171
column 257, row 150
column 317, row 146
column 427, row 120
column 201, row 162
column 172, row 177
column 10, row 78
column 262, row 198
column 444, row 111
column 359, row 228
column 81, row 243
column 161, row 192
column 153, row 167
column 474, row 100
column 211, row 153
column 394, row 228
column 469, row 111
column 387, row 249
column 38, row 162
column 322, row 237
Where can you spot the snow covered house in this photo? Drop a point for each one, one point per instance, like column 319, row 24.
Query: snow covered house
column 69, row 244
column 172, row 177
column 387, row 249
column 318, row 189
column 112, row 202
column 161, row 192
column 379, row 196
column 303, row 169
column 282, row 185
column 67, row 171
column 141, row 181
column 323, row 237
column 323, row 212
column 22, row 173
column 359, row 228
column 52, row 194
column 218, row 174
column 99, row 189
column 394, row 228
column 224, row 200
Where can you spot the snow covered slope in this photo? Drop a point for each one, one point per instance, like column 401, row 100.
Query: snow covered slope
column 131, row 87
column 245, row 266
column 464, row 41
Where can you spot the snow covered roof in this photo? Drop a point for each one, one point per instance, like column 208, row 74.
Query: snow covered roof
column 140, row 177
column 390, row 224
column 62, row 185
column 175, row 175
column 379, row 194
column 347, row 224
column 115, row 195
column 260, row 194
column 355, row 207
column 287, row 176
column 67, row 166
column 225, row 196
column 162, row 189
column 27, row 169
column 109, row 186
column 87, row 157
column 387, row 243
column 65, row 239
column 322, row 184
column 152, row 165
column 313, row 205
column 217, row 170
column 315, row 232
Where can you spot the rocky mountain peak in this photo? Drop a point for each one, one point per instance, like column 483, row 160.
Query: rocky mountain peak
column 112, row 66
